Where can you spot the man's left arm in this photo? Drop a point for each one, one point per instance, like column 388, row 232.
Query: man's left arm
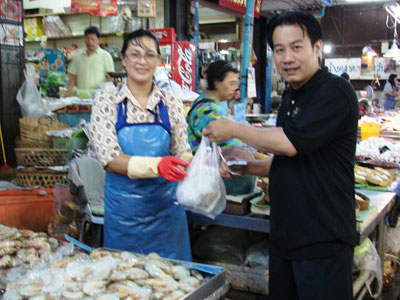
column 271, row 140
column 314, row 126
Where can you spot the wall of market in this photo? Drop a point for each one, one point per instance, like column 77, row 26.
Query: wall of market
column 78, row 22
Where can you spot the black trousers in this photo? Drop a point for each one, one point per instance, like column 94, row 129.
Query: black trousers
column 328, row 278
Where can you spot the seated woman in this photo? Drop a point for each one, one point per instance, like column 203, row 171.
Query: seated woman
column 222, row 80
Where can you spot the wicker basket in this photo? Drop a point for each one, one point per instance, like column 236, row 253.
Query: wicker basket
column 33, row 130
column 40, row 156
column 40, row 125
column 30, row 177
column 33, row 144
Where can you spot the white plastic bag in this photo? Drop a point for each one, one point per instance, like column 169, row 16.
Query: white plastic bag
column 29, row 99
column 203, row 190
column 367, row 258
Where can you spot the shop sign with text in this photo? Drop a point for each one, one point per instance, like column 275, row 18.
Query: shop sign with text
column 240, row 6
column 164, row 35
column 337, row 66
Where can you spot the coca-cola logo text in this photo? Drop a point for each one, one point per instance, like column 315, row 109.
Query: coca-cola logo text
column 161, row 34
column 185, row 69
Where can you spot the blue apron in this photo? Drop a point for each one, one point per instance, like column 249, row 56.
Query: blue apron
column 390, row 101
column 143, row 215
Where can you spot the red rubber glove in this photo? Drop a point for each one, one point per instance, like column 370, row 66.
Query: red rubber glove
column 168, row 168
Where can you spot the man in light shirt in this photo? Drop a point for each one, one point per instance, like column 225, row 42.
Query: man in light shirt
column 89, row 66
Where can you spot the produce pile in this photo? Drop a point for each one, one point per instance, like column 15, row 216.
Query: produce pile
column 379, row 149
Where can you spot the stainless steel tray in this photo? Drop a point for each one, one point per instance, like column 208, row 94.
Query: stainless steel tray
column 215, row 285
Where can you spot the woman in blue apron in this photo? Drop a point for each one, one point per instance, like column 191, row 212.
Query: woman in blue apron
column 139, row 134
column 390, row 92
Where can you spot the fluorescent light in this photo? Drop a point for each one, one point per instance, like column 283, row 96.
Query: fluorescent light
column 362, row 1
column 393, row 9
column 394, row 51
column 327, row 48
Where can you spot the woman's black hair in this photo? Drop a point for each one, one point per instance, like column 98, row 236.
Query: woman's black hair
column 217, row 71
column 135, row 37
column 93, row 30
column 305, row 20
column 391, row 79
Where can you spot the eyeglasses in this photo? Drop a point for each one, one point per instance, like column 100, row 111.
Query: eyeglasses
column 135, row 56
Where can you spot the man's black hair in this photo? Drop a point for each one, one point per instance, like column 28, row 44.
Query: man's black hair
column 135, row 36
column 345, row 76
column 305, row 20
column 391, row 79
column 93, row 30
column 217, row 71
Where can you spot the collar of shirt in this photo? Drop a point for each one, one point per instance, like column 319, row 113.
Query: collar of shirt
column 95, row 51
column 155, row 96
column 314, row 81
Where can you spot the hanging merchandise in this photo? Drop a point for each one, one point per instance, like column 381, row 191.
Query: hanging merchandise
column 85, row 6
column 251, row 83
column 103, row 8
column 108, row 8
column 146, row 8
column 55, row 27
column 29, row 99
column 10, row 10
column 51, row 71
column 123, row 21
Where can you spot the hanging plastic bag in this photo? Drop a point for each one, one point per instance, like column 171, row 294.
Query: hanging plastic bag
column 203, row 190
column 29, row 99
column 366, row 258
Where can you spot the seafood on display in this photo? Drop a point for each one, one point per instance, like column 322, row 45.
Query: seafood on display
column 102, row 275
column 24, row 247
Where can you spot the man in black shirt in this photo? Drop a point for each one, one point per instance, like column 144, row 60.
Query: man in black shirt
column 313, row 227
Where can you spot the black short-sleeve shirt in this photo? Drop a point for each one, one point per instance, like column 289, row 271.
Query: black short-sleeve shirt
column 312, row 193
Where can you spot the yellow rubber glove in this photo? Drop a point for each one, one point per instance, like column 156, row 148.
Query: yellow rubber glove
column 187, row 156
column 143, row 167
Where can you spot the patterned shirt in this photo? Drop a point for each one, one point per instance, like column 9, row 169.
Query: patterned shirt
column 200, row 116
column 104, row 117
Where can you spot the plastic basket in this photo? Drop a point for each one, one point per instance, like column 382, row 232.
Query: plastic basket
column 44, row 178
column 370, row 129
column 26, row 209
column 40, row 157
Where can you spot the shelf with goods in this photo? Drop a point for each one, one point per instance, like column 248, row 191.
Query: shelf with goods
column 73, row 26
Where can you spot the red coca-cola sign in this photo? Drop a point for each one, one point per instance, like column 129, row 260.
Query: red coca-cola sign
column 164, row 35
column 184, row 65
column 240, row 6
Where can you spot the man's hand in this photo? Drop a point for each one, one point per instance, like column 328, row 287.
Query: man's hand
column 220, row 130
column 230, row 172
